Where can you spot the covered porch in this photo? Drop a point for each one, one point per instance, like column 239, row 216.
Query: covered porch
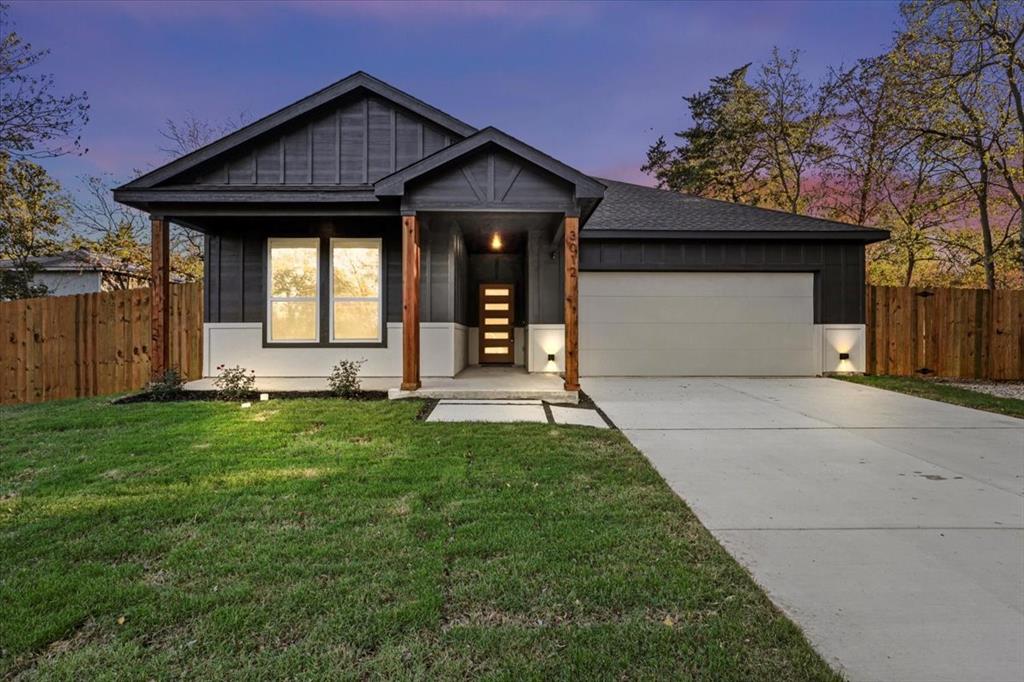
column 426, row 314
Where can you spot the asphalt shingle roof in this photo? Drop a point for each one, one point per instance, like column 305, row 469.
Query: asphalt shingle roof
column 629, row 207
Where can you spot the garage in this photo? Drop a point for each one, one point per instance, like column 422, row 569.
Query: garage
column 697, row 324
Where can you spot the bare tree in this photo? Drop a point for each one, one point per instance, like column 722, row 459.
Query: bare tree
column 191, row 133
column 34, row 122
column 796, row 122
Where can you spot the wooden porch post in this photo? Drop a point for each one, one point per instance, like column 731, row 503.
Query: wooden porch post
column 160, row 298
column 572, row 326
column 410, row 303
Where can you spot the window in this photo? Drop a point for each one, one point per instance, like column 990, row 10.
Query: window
column 355, row 290
column 294, row 290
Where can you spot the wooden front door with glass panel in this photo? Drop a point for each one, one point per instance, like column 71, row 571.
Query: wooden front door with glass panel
column 497, row 320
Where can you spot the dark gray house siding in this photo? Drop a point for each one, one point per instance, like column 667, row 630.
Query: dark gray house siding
column 491, row 179
column 235, row 271
column 838, row 266
column 353, row 142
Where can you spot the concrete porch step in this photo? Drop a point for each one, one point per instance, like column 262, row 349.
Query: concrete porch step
column 495, row 394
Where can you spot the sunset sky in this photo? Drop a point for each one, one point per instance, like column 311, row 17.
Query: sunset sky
column 591, row 84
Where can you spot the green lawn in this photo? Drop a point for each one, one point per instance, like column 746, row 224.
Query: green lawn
column 331, row 539
column 935, row 390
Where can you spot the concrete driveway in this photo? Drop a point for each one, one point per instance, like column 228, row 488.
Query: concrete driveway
column 890, row 528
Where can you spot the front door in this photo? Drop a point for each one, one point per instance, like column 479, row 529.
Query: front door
column 497, row 319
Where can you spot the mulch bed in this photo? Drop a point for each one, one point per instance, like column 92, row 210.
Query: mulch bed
column 145, row 397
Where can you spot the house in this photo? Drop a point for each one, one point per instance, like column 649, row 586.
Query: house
column 361, row 222
column 81, row 271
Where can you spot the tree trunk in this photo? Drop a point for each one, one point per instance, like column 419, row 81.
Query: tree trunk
column 986, row 227
column 911, row 262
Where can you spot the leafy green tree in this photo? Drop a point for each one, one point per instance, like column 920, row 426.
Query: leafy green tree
column 721, row 156
column 32, row 211
column 950, row 67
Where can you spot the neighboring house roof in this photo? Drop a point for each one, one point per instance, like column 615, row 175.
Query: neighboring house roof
column 630, row 210
column 81, row 260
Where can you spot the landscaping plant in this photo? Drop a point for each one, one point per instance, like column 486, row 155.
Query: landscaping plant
column 168, row 387
column 344, row 378
column 234, row 383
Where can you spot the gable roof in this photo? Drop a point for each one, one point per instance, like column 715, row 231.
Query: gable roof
column 630, row 210
column 358, row 80
column 585, row 186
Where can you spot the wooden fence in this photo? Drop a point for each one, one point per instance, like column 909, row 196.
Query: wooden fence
column 92, row 344
column 962, row 333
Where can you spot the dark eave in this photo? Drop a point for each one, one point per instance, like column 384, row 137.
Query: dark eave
column 262, row 194
column 394, row 185
column 357, row 80
column 866, row 235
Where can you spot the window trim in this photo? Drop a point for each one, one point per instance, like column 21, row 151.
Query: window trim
column 271, row 299
column 379, row 298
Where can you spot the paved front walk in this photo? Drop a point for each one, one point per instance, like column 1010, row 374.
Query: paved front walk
column 513, row 411
column 891, row 528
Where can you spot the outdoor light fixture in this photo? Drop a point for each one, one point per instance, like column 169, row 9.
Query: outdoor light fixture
column 496, row 242
column 844, row 356
column 551, row 357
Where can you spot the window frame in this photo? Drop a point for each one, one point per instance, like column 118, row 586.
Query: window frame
column 377, row 242
column 271, row 299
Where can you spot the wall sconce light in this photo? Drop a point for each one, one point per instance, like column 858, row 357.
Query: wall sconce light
column 551, row 357
column 844, row 356
column 496, row 242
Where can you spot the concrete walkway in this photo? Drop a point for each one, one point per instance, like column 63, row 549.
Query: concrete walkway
column 890, row 528
column 457, row 410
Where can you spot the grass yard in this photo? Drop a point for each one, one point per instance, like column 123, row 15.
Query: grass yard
column 331, row 539
column 935, row 390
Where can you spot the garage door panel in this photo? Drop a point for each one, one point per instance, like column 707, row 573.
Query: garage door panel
column 701, row 324
column 696, row 362
column 756, row 337
column 688, row 310
column 740, row 284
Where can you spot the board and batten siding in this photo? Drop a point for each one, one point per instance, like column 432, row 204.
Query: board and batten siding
column 356, row 142
column 838, row 267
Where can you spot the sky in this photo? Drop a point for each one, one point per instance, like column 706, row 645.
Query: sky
column 592, row 84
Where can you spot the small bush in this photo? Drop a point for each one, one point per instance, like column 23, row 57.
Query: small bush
column 344, row 378
column 168, row 386
column 234, row 383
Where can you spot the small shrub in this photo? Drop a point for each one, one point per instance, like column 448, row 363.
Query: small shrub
column 344, row 378
column 168, row 386
column 234, row 383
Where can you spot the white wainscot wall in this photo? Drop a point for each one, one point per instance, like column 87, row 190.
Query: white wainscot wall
column 242, row 344
column 542, row 340
column 836, row 339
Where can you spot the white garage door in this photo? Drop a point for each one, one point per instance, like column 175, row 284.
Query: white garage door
column 693, row 324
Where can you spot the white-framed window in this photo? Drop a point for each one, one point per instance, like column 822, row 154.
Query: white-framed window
column 293, row 301
column 357, row 268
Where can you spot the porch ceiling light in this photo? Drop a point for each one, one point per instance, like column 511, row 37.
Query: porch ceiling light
column 496, row 242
